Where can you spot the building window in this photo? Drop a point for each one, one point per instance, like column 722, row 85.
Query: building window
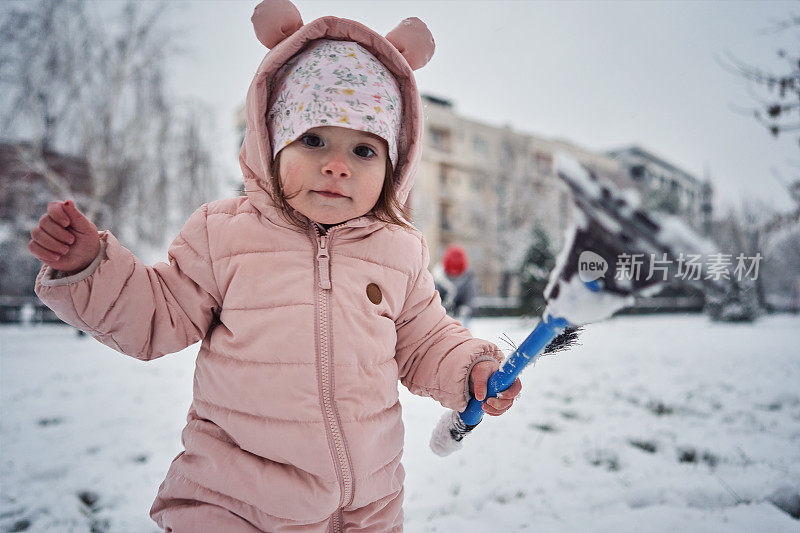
column 508, row 155
column 477, row 180
column 637, row 172
column 544, row 162
column 479, row 144
column 440, row 139
column 448, row 177
column 445, row 217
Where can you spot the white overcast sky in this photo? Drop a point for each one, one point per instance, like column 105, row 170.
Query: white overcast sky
column 600, row 74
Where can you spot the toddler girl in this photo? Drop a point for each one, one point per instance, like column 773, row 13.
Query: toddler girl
column 311, row 294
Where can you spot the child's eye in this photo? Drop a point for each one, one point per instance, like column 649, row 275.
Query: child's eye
column 309, row 139
column 364, row 151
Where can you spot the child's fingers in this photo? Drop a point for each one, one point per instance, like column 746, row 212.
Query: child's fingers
column 56, row 212
column 489, row 410
column 55, row 230
column 77, row 219
column 44, row 255
column 48, row 242
column 512, row 391
column 498, row 403
column 505, row 399
column 479, row 375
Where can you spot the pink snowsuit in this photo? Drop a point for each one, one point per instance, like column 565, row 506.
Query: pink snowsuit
column 295, row 423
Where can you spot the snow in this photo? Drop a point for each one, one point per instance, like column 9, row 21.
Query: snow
column 633, row 200
column 568, row 166
column 680, row 238
column 442, row 441
column 655, row 423
column 578, row 221
column 580, row 305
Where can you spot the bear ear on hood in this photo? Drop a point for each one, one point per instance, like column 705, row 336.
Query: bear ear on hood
column 275, row 20
column 413, row 39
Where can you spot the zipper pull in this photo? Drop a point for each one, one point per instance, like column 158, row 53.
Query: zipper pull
column 324, row 262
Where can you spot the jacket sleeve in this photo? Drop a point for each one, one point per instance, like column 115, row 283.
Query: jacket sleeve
column 139, row 310
column 435, row 354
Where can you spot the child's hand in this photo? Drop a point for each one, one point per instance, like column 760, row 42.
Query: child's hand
column 65, row 239
column 478, row 383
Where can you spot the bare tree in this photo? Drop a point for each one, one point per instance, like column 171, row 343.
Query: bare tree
column 754, row 228
column 519, row 196
column 782, row 268
column 74, row 83
column 780, row 110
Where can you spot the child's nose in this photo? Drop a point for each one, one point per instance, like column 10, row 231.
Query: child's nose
column 336, row 166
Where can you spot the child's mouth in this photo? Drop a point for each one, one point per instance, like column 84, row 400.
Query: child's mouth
column 328, row 194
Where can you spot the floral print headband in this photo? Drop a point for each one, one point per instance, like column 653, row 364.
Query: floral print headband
column 335, row 83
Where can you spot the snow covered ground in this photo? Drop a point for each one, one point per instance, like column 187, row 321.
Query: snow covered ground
column 657, row 423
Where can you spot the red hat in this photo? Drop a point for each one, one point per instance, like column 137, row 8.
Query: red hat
column 454, row 260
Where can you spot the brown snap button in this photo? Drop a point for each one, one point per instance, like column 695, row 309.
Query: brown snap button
column 374, row 293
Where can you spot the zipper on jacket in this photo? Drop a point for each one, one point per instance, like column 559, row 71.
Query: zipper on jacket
column 336, row 521
column 344, row 472
column 324, row 262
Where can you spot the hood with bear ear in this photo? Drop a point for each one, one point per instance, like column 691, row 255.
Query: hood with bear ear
column 279, row 27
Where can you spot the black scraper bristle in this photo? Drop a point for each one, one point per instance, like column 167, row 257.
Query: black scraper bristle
column 565, row 340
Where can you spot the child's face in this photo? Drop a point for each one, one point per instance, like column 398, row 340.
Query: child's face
column 338, row 172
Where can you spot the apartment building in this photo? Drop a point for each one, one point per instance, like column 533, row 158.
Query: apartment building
column 665, row 187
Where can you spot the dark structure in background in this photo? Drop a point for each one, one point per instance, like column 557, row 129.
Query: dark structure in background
column 24, row 195
column 665, row 188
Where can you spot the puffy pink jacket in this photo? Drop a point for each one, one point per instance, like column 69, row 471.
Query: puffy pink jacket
column 295, row 419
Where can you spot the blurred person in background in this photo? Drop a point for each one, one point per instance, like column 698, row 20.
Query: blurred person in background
column 456, row 284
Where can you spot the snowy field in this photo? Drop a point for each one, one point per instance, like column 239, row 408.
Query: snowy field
column 658, row 423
